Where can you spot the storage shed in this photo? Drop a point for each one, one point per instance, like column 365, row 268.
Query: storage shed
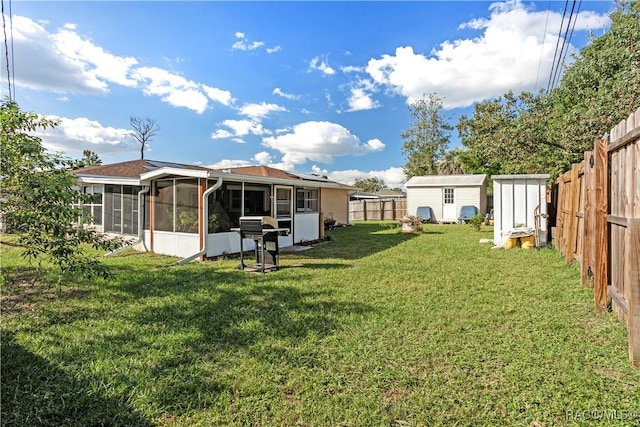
column 519, row 201
column 446, row 194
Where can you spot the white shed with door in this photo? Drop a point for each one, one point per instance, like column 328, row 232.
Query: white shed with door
column 446, row 194
column 520, row 201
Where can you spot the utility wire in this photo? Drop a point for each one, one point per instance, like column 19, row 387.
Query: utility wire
column 555, row 54
column 6, row 48
column 575, row 19
column 565, row 46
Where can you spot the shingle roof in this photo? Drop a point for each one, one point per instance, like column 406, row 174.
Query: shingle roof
column 130, row 169
column 263, row 171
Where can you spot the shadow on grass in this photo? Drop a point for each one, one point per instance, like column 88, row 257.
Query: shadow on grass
column 361, row 240
column 35, row 392
column 235, row 309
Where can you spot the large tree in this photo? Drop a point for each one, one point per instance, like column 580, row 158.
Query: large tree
column 143, row 131
column 89, row 158
column 428, row 137
column 370, row 185
column 41, row 200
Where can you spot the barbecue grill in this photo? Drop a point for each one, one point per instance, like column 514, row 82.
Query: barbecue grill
column 264, row 231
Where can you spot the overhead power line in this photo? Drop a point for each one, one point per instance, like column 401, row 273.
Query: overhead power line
column 9, row 53
column 565, row 35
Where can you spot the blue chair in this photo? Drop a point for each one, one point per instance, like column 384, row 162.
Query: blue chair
column 466, row 213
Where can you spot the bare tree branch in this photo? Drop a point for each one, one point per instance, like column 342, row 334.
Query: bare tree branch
column 144, row 130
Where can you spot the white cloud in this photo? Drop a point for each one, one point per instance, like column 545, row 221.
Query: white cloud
column 221, row 134
column 244, row 44
column 393, row 177
column 319, row 141
column 352, row 69
column 40, row 63
column 263, row 158
column 260, row 111
column 73, row 136
column 228, row 164
column 65, row 61
column 506, row 56
column 95, row 60
column 222, row 96
column 279, row 92
column 360, row 100
column 322, row 65
column 172, row 88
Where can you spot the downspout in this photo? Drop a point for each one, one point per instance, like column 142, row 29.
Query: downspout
column 205, row 225
column 145, row 189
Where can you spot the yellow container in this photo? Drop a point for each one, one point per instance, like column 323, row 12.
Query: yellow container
column 527, row 242
column 511, row 242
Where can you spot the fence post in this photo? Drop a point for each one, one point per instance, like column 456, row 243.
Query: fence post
column 601, row 238
column 633, row 264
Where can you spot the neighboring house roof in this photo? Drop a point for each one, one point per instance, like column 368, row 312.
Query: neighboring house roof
column 388, row 193
column 447, row 180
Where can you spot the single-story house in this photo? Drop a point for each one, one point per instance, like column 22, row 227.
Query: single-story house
column 446, row 194
column 191, row 211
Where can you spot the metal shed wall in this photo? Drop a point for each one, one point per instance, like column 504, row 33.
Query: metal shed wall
column 515, row 198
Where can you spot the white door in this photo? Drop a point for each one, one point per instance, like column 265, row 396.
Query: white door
column 284, row 213
column 448, row 204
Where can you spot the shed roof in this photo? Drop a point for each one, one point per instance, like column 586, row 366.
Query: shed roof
column 447, row 180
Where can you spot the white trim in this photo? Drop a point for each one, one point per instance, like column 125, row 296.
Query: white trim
column 94, row 179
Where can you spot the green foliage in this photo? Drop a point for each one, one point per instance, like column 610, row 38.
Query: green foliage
column 546, row 133
column 428, row 137
column 40, row 199
column 370, row 185
column 89, row 158
column 476, row 222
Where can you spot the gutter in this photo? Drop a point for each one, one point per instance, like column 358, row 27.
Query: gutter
column 145, row 189
column 205, row 225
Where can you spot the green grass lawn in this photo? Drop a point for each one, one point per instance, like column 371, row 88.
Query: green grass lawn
column 372, row 328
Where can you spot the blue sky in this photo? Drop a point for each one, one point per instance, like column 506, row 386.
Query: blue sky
column 312, row 87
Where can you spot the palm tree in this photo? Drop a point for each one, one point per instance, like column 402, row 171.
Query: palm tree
column 450, row 164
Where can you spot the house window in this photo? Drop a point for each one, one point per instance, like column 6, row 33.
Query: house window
column 307, row 200
column 93, row 206
column 283, row 202
column 448, row 196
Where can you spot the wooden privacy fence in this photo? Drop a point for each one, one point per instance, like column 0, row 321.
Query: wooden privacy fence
column 377, row 209
column 597, row 205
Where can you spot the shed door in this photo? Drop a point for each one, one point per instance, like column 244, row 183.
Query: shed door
column 448, row 204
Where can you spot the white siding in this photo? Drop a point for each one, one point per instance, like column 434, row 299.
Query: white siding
column 175, row 244
column 515, row 200
column 307, row 227
column 475, row 195
column 425, row 196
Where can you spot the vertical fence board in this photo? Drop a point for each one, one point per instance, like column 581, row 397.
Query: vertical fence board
column 588, row 242
column 600, row 280
column 634, row 291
